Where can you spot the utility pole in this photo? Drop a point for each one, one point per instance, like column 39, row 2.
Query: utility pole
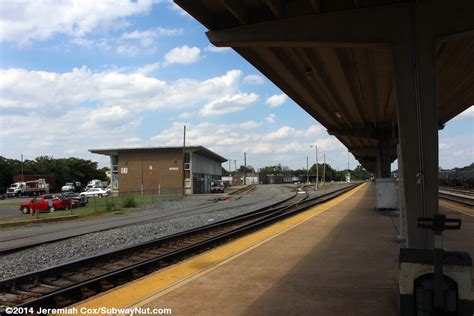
column 184, row 159
column 317, row 169
column 245, row 168
column 229, row 167
column 324, row 169
column 22, row 175
column 307, row 169
column 348, row 169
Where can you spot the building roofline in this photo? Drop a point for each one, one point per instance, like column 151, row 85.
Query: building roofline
column 198, row 149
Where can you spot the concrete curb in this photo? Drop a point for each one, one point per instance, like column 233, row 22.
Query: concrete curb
column 41, row 220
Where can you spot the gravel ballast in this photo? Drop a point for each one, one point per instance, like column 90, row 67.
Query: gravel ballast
column 189, row 214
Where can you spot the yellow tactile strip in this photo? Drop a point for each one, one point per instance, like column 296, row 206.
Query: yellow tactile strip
column 139, row 290
column 457, row 207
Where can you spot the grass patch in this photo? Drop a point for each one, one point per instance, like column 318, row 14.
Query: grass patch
column 129, row 200
column 97, row 206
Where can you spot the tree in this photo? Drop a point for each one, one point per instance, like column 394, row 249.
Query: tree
column 249, row 169
column 277, row 169
column 63, row 169
column 359, row 173
column 225, row 173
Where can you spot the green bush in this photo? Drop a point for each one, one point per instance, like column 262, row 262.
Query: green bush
column 129, row 200
column 109, row 205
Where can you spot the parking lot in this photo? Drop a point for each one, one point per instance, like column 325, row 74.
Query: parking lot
column 9, row 206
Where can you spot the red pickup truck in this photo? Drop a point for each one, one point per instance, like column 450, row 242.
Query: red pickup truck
column 46, row 203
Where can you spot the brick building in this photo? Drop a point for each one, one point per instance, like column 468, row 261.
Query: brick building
column 160, row 169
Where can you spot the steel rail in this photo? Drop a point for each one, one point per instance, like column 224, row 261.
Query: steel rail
column 134, row 262
column 146, row 221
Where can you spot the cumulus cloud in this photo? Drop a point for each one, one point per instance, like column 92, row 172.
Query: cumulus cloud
column 183, row 55
column 253, row 79
column 132, row 43
column 146, row 37
column 148, row 68
column 287, row 132
column 270, row 118
column 250, row 125
column 283, row 132
column 245, row 136
column 69, row 133
column 51, row 92
column 213, row 49
column 176, row 8
column 276, row 100
column 24, row 22
column 229, row 104
column 185, row 115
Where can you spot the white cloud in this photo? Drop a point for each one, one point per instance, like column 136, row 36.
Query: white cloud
column 146, row 37
column 186, row 115
column 282, row 132
column 69, row 133
column 276, row 100
column 229, row 104
column 148, row 68
column 80, row 41
column 176, row 8
column 183, row 55
column 84, row 108
column 250, row 125
column 213, row 49
column 23, row 22
column 129, row 49
column 287, row 132
column 132, row 43
column 49, row 92
column 244, row 136
column 254, row 79
column 270, row 118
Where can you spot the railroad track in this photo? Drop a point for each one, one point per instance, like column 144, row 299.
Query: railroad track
column 465, row 197
column 7, row 250
column 66, row 284
column 244, row 190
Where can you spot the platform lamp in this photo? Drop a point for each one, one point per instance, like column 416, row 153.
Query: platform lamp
column 317, row 171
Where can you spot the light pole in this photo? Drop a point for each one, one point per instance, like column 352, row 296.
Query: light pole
column 324, row 169
column 317, row 169
column 348, row 168
column 307, row 170
column 245, row 168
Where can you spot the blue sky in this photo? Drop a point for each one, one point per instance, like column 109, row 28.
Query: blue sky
column 77, row 75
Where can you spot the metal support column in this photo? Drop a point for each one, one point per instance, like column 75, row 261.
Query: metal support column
column 383, row 160
column 415, row 72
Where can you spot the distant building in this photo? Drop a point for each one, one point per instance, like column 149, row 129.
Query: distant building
column 155, row 170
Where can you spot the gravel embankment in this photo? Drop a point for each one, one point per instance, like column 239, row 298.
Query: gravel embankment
column 72, row 249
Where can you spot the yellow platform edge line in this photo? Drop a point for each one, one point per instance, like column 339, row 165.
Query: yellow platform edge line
column 466, row 210
column 139, row 290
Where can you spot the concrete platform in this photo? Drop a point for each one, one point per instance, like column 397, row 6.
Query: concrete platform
column 341, row 262
column 339, row 258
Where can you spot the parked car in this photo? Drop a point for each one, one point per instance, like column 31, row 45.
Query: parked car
column 81, row 200
column 46, row 203
column 217, row 186
column 98, row 192
column 74, row 186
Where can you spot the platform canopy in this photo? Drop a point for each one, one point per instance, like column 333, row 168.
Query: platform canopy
column 335, row 59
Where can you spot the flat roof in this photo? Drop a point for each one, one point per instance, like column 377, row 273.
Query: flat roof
column 201, row 150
